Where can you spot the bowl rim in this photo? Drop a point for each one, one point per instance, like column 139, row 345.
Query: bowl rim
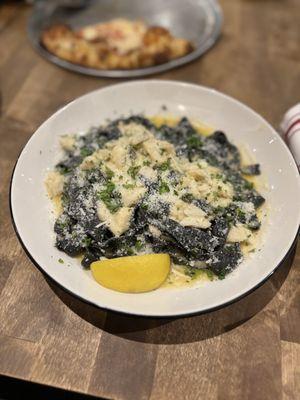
column 139, row 314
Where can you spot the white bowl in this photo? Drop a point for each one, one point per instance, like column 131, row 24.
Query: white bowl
column 30, row 205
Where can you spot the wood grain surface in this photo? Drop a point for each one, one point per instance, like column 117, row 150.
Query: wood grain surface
column 249, row 350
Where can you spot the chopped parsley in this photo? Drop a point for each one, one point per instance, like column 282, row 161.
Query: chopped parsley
column 85, row 152
column 129, row 251
column 110, row 187
column 63, row 169
column 165, row 165
column 194, row 142
column 110, row 197
column 109, row 173
column 138, row 245
column 129, row 185
column 222, row 274
column 190, row 272
column 240, row 214
column 64, row 198
column 195, row 273
column 248, row 185
column 218, row 176
column 215, row 195
column 163, row 187
column 62, row 225
column 61, row 261
column 86, row 241
column 187, row 197
column 133, row 171
column 210, row 274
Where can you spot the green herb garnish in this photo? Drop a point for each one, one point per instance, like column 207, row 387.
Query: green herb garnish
column 86, row 241
column 64, row 170
column 61, row 261
column 219, row 210
column 110, row 187
column 64, row 198
column 165, row 165
column 62, row 225
column 189, row 272
column 218, row 176
column 110, row 197
column 133, row 171
column 138, row 245
column 129, row 251
column 85, row 152
column 195, row 273
column 109, row 173
column 248, row 185
column 222, row 274
column 194, row 142
column 163, row 187
column 128, row 186
column 188, row 197
column 240, row 214
column 209, row 274
column 113, row 205
column 215, row 195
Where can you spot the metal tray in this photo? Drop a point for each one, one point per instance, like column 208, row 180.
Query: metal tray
column 199, row 21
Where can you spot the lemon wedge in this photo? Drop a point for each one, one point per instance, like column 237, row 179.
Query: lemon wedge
column 134, row 274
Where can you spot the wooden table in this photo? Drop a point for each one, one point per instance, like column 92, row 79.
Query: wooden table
column 248, row 350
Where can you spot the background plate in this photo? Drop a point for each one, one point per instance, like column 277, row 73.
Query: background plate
column 199, row 21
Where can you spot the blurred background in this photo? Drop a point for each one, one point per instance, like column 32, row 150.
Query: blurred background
column 256, row 59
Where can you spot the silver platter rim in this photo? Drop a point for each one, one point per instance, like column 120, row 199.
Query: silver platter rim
column 216, row 14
